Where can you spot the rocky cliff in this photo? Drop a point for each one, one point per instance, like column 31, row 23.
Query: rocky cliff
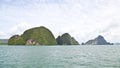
column 97, row 41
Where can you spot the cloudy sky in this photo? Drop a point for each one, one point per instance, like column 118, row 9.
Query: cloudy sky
column 83, row 19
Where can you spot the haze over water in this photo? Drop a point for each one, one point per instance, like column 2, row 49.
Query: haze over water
column 60, row 56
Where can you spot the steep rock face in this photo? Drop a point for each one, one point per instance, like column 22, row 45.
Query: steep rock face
column 34, row 36
column 66, row 39
column 32, row 42
column 97, row 41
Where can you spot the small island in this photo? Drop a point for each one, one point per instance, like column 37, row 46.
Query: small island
column 34, row 36
column 97, row 41
column 66, row 39
column 3, row 41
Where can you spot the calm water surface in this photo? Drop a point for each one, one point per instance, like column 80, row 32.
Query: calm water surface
column 59, row 56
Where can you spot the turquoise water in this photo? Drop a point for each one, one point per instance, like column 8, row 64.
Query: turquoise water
column 59, row 56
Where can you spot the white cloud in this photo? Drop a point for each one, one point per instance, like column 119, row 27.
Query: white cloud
column 2, row 33
column 19, row 28
column 83, row 19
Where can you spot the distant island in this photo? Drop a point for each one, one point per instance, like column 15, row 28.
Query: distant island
column 3, row 41
column 41, row 36
column 66, row 39
column 97, row 41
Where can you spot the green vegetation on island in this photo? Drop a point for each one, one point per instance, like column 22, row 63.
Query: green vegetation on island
column 16, row 40
column 34, row 36
column 43, row 36
column 66, row 39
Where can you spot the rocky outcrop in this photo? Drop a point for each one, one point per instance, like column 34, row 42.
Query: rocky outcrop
column 31, row 42
column 66, row 39
column 97, row 41
column 34, row 36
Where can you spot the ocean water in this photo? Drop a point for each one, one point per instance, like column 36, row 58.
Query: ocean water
column 60, row 56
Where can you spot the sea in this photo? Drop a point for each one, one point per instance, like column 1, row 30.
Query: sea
column 67, row 56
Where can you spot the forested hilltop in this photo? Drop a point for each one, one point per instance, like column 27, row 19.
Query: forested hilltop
column 34, row 36
column 41, row 36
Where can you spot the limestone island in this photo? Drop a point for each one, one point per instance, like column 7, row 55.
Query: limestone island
column 41, row 36
column 97, row 41
column 34, row 36
column 66, row 39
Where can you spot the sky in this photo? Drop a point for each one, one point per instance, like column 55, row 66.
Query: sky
column 82, row 19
